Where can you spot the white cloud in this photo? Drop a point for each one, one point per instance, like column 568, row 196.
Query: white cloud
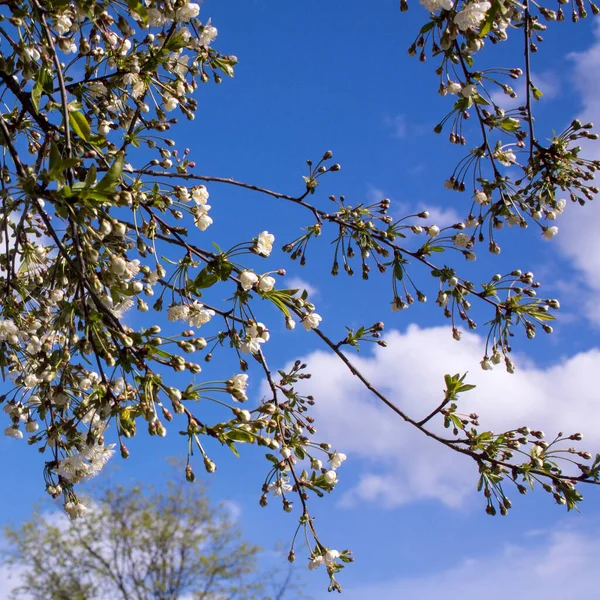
column 561, row 564
column 397, row 125
column 546, row 82
column 442, row 217
column 375, row 194
column 578, row 238
column 397, row 464
column 293, row 283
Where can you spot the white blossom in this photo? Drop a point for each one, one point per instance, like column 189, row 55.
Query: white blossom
column 330, row 477
column 266, row 283
column 311, row 321
column 63, row 24
column 247, row 280
column 86, row 464
column 433, row 6
column 237, row 385
column 75, row 510
column 200, row 194
column 462, row 240
column 549, row 232
column 486, row 364
column 178, row 312
column 170, row 103
column 198, row 315
column 336, row 460
column 280, row 486
column 471, row 15
column 14, row 432
column 187, row 12
column 264, row 243
column 208, row 35
column 201, row 219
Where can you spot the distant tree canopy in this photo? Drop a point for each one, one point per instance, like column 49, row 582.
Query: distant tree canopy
column 141, row 544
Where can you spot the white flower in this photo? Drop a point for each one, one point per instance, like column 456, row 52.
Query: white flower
column 244, row 415
column 280, row 486
column 264, row 243
column 201, row 218
column 31, row 53
column 187, row 12
column 75, row 510
column 97, row 88
column 85, row 464
column 486, row 364
column 31, row 426
column 549, row 232
column 266, row 283
column 468, row 90
column 433, row 231
column 118, row 265
column 156, row 18
column 331, row 556
column 209, row 33
column 290, row 323
column 200, row 194
column 198, row 315
column 8, row 329
column 330, row 477
column 316, row 464
column 471, row 15
column 237, row 385
column 132, row 268
column 560, row 206
column 170, row 103
column 256, row 334
column 14, row 432
column 179, row 312
column 248, row 279
column 505, row 157
column 311, row 321
column 315, row 562
column 433, row 6
column 104, row 127
column 63, row 24
column 462, row 240
column 336, row 460
column 454, row 87
column 481, row 198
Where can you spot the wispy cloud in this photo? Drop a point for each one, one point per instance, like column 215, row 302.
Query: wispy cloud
column 293, row 283
column 397, row 125
column 559, row 564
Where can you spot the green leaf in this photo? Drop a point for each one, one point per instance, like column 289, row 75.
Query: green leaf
column 79, row 124
column 90, row 178
column 427, row 27
column 113, row 176
column 238, row 435
column 537, row 94
column 55, row 160
column 204, row 279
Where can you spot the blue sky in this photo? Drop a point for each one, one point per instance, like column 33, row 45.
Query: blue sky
column 314, row 76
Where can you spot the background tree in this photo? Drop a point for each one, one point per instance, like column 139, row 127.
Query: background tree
column 142, row 544
column 98, row 209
